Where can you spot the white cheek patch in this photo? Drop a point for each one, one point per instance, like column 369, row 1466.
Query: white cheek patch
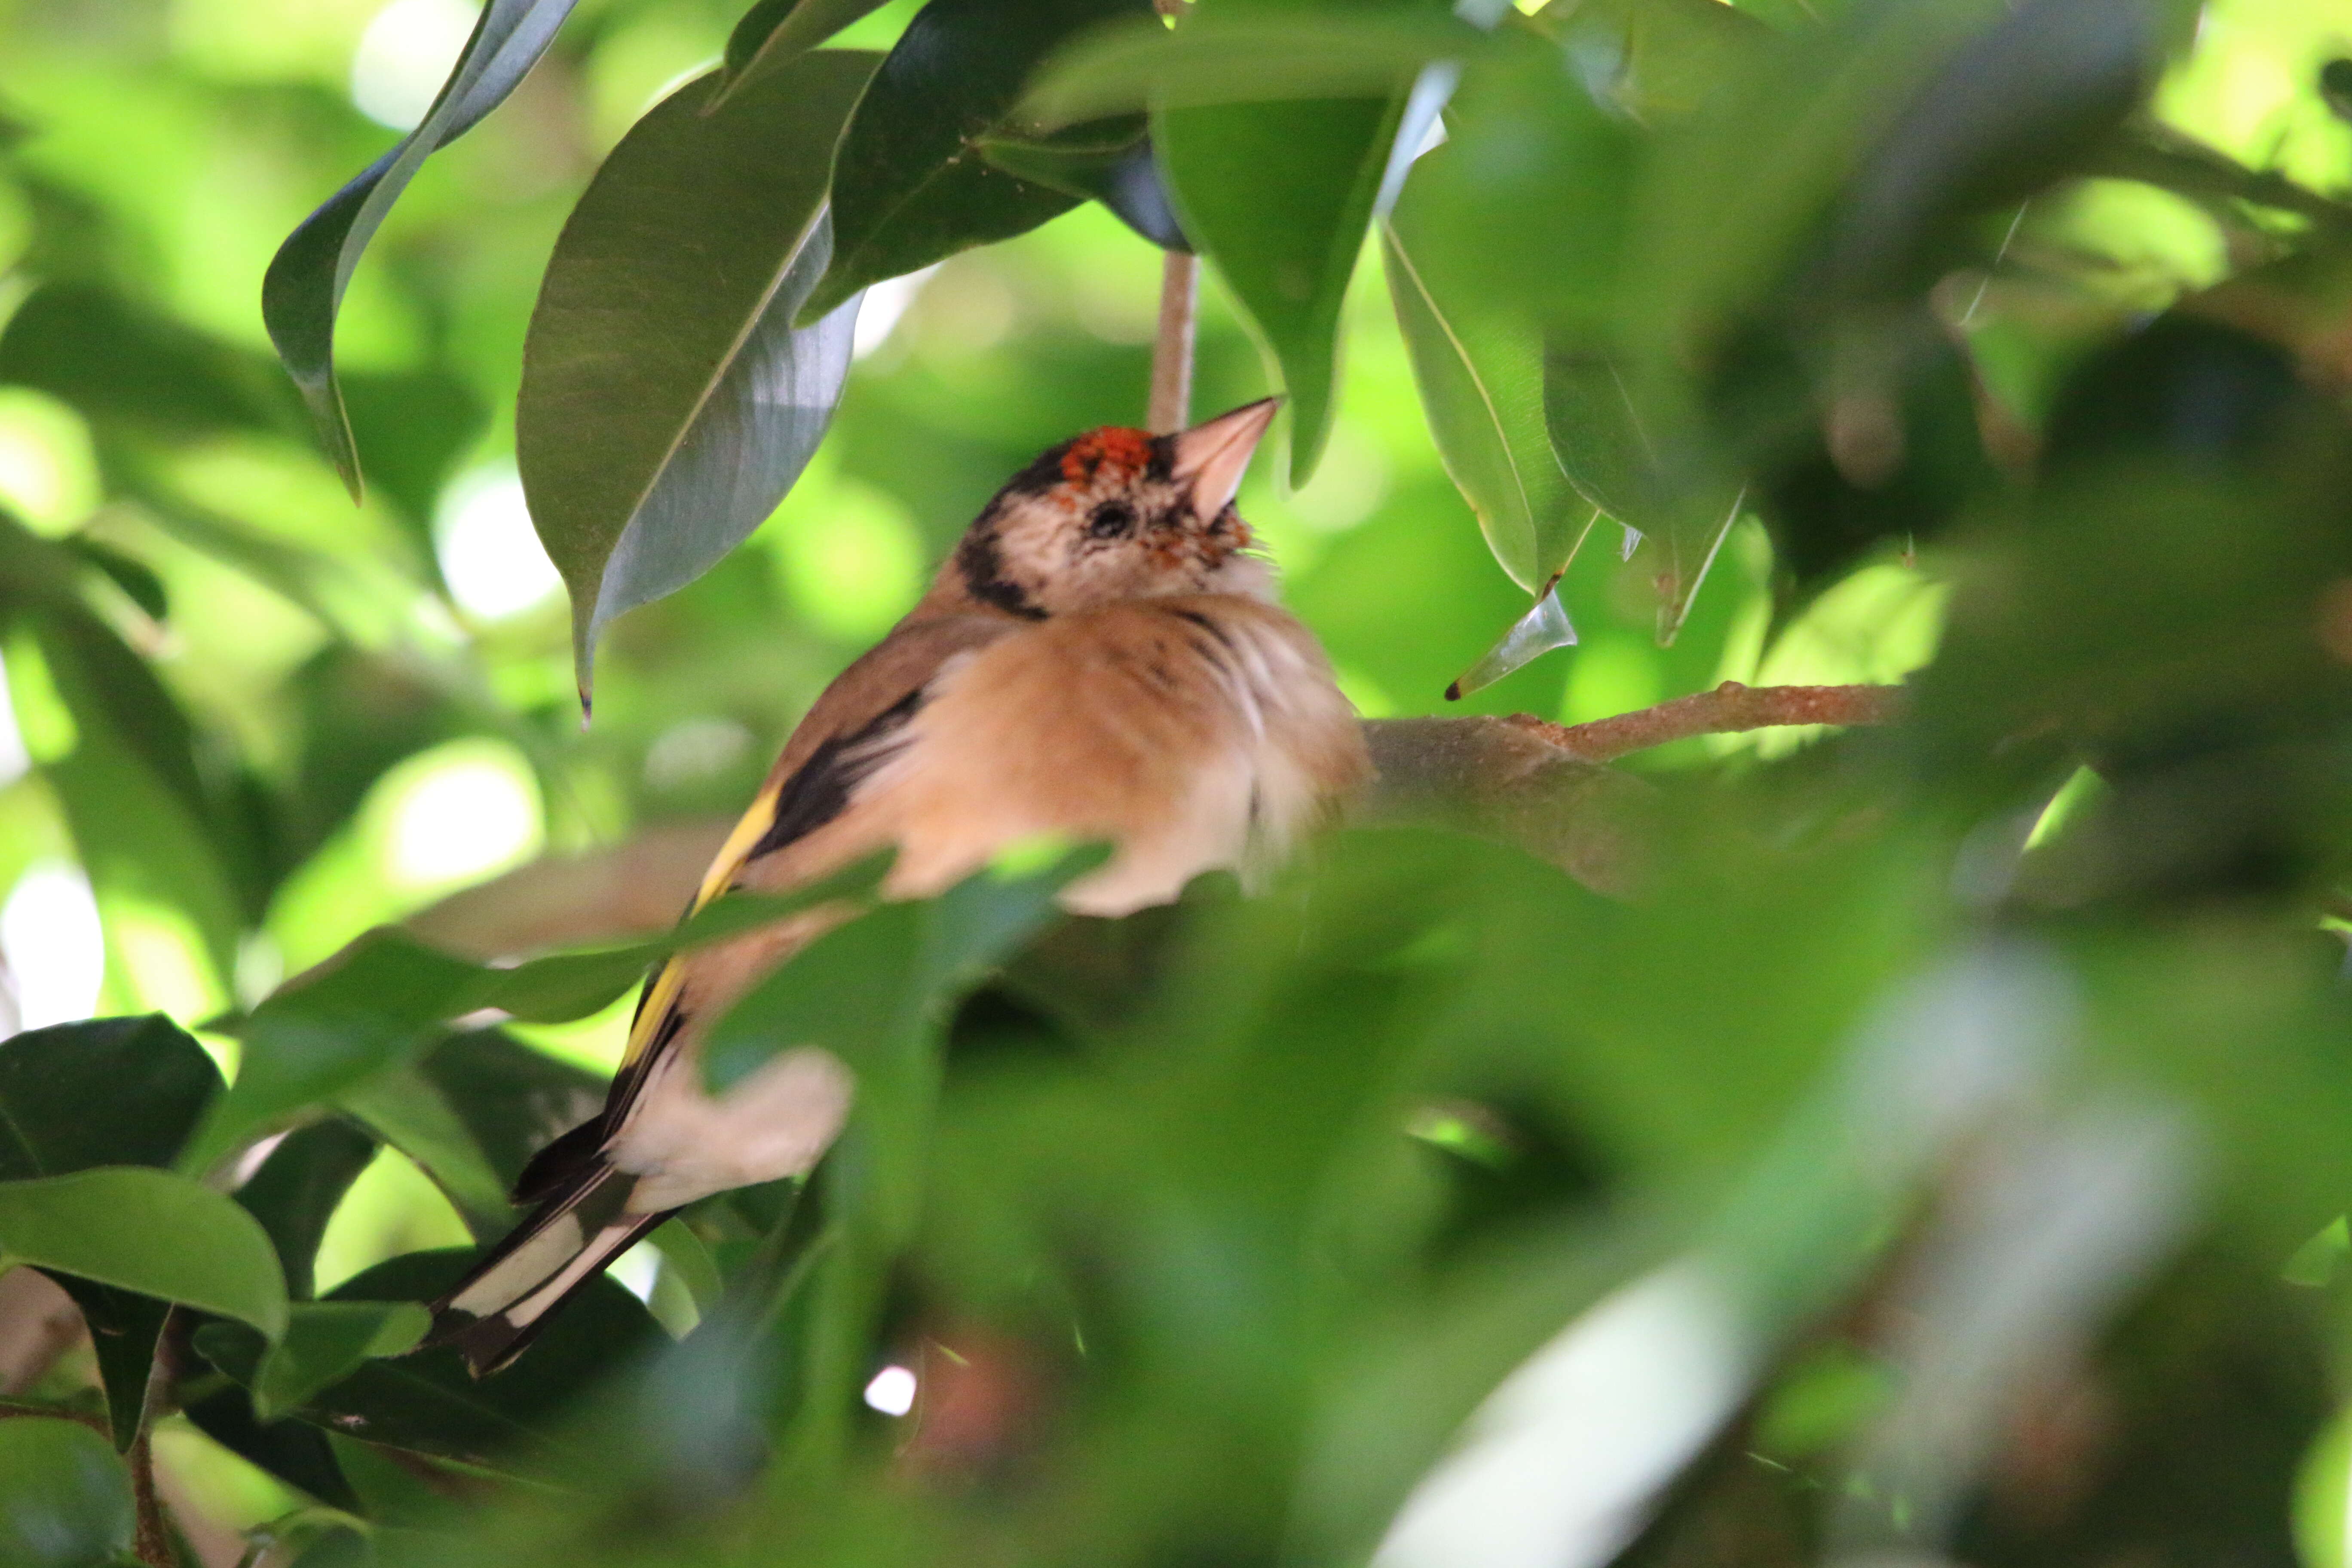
column 684, row 1144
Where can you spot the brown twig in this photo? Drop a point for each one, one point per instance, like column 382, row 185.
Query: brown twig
column 1171, row 348
column 152, row 1542
column 1727, row 710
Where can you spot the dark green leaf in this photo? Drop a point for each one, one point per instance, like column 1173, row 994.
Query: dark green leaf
column 428, row 1402
column 295, row 1192
column 304, row 286
column 1122, row 175
column 512, row 1098
column 65, row 1498
column 123, row 1329
column 773, row 33
column 667, row 401
column 111, row 1092
column 910, row 187
column 149, row 1231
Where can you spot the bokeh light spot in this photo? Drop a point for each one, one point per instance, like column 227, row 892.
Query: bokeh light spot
column 48, row 475
column 461, row 812
column 490, row 558
column 405, row 55
column 55, row 946
column 852, row 563
column 892, row 1391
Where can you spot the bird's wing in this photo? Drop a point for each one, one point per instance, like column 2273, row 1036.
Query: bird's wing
column 830, row 752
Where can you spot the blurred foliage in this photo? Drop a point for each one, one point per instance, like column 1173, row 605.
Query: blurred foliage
column 1944, row 1154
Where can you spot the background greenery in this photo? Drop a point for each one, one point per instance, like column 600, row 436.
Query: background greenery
column 1944, row 1152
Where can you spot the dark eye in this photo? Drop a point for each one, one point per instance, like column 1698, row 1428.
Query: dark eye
column 1110, row 520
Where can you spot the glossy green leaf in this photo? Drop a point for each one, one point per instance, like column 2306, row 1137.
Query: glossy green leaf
column 295, row 1192
column 773, row 33
column 325, row 1342
column 110, row 1091
column 1480, row 373
column 1277, row 197
column 303, row 287
column 65, row 1497
column 150, row 1231
column 909, row 186
column 1121, row 174
column 667, row 400
column 1669, row 55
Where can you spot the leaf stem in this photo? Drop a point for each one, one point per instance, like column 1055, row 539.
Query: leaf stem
column 152, row 1542
column 1171, row 349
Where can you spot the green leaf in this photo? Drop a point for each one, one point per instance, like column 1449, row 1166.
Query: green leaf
column 909, row 186
column 773, row 33
column 149, row 1231
column 325, row 1342
column 65, row 1497
column 297, row 1454
column 110, row 1091
column 401, row 1106
column 1639, row 465
column 386, row 996
column 1121, row 174
column 1225, row 55
column 303, row 287
column 512, row 1098
column 667, row 400
column 297, row 1188
column 426, row 1401
column 1480, row 373
column 1277, row 197
column 1544, row 628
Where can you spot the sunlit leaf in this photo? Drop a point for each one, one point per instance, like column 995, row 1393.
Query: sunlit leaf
column 1479, row 369
column 667, row 401
column 304, row 286
column 909, row 186
column 1544, row 628
column 149, row 1231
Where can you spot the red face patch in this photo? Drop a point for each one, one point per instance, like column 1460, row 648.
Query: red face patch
column 1126, row 452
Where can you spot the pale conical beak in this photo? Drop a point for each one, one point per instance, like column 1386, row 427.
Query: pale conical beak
column 1213, row 455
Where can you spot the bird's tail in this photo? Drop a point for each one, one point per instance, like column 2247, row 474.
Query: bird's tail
column 581, row 1224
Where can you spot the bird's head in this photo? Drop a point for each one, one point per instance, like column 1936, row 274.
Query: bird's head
column 1118, row 514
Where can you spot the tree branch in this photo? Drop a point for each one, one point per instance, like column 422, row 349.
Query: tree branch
column 1729, row 709
column 153, row 1544
column 1171, row 348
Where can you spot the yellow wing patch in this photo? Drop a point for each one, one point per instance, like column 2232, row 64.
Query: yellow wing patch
column 663, row 994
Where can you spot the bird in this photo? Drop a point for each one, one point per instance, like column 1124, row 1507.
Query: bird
column 1101, row 657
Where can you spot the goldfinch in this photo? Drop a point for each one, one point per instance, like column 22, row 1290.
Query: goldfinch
column 1101, row 657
